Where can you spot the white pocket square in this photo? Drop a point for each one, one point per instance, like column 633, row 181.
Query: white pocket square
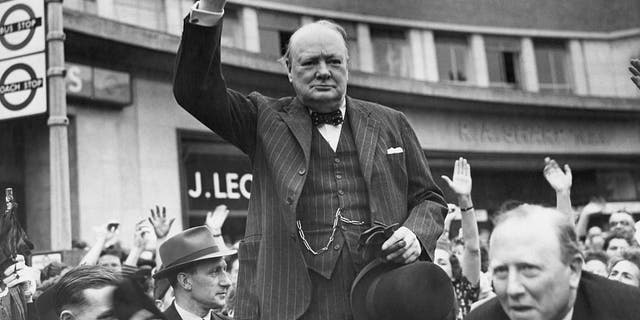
column 395, row 150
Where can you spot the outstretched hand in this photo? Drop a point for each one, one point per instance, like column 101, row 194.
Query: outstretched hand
column 461, row 182
column 212, row 5
column 161, row 225
column 559, row 180
column 635, row 71
column 216, row 219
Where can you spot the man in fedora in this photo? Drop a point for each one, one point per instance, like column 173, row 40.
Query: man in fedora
column 193, row 262
column 325, row 167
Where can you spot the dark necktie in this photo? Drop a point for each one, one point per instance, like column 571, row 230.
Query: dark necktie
column 333, row 118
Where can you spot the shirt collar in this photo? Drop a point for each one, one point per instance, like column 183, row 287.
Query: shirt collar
column 569, row 315
column 186, row 315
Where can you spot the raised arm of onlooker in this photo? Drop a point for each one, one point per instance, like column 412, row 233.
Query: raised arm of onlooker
column 140, row 242
column 583, row 221
column 214, row 222
column 635, row 71
column 106, row 235
column 461, row 185
column 561, row 182
column 161, row 226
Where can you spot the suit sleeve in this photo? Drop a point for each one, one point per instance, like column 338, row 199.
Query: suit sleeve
column 201, row 90
column 425, row 201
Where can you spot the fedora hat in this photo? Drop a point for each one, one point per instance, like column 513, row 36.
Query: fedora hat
column 188, row 246
column 386, row 291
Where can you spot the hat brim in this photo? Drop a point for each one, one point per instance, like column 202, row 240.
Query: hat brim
column 363, row 282
column 168, row 269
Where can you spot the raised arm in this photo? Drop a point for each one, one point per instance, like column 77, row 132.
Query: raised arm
column 161, row 226
column 199, row 86
column 104, row 238
column 214, row 222
column 461, row 185
column 560, row 182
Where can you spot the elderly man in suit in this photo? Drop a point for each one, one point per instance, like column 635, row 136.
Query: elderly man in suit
column 325, row 168
column 537, row 273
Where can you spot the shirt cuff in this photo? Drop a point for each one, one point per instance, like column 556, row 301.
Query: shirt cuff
column 204, row 18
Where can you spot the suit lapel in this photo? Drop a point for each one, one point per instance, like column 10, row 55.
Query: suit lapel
column 299, row 122
column 365, row 133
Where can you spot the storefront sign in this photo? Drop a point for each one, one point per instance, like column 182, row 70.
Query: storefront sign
column 96, row 84
column 212, row 180
column 23, row 88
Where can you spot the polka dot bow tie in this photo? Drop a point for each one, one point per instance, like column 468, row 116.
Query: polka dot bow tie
column 333, row 118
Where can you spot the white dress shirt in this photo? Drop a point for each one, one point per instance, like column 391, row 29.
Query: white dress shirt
column 186, row 315
column 330, row 132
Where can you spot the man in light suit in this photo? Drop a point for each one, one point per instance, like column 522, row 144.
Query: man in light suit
column 325, row 168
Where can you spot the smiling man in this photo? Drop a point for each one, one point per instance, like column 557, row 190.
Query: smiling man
column 193, row 263
column 325, row 167
column 537, row 273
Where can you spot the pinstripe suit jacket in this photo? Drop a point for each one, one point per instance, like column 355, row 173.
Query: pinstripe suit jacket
column 273, row 281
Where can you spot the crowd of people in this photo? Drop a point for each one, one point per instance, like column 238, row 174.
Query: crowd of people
column 194, row 273
column 345, row 222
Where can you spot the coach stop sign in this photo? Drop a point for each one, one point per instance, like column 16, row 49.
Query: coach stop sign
column 23, row 86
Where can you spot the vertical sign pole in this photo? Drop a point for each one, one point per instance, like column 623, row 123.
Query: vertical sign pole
column 58, row 144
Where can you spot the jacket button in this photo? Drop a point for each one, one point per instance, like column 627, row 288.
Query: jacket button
column 340, row 192
column 336, row 160
column 289, row 200
column 336, row 247
column 302, row 171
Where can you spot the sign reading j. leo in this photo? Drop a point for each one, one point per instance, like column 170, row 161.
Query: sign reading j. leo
column 21, row 28
column 23, row 86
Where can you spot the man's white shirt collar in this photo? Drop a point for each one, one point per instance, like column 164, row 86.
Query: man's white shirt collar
column 186, row 315
column 330, row 132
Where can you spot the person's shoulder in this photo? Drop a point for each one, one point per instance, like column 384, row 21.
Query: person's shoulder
column 490, row 310
column 218, row 316
column 277, row 104
column 606, row 296
column 373, row 106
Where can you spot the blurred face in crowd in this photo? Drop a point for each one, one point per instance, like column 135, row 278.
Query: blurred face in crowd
column 441, row 258
column 318, row 67
column 616, row 247
column 529, row 276
column 596, row 243
column 210, row 283
column 621, row 221
column 596, row 266
column 111, row 262
column 98, row 305
column 625, row 272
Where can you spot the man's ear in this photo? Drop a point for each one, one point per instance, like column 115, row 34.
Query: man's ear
column 575, row 265
column 66, row 315
column 184, row 280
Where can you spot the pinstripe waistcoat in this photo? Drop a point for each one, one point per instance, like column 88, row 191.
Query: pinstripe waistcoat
column 273, row 281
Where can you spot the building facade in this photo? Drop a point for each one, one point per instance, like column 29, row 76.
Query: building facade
column 502, row 83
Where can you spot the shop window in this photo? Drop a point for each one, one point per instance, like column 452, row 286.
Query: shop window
column 451, row 54
column 503, row 61
column 551, row 62
column 232, row 31
column 391, row 51
column 145, row 13
column 275, row 29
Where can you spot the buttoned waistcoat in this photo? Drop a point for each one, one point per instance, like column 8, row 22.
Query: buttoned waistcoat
column 273, row 282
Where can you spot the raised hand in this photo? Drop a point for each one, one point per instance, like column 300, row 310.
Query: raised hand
column 461, row 182
column 212, row 5
column 559, row 180
column 161, row 225
column 216, row 219
column 139, row 237
column 635, row 71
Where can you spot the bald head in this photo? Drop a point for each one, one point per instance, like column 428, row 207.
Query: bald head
column 310, row 32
